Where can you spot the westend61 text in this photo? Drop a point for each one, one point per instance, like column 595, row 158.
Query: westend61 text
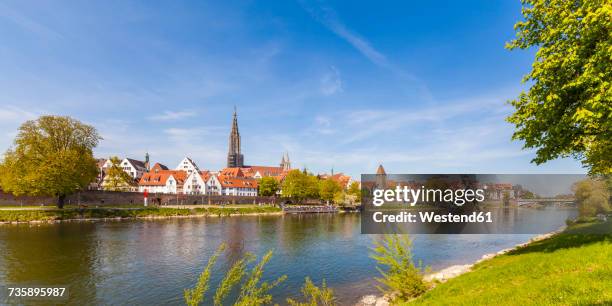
column 413, row 196
column 428, row 217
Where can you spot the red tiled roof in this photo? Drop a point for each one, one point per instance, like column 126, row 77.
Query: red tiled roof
column 232, row 182
column 232, row 172
column 266, row 170
column 160, row 177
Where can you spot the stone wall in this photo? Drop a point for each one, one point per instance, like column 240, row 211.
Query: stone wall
column 112, row 198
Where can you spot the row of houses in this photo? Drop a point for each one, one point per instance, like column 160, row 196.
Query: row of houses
column 187, row 178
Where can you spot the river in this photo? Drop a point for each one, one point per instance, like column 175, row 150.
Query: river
column 152, row 261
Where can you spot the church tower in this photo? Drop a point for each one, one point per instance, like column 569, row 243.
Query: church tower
column 234, row 157
column 285, row 162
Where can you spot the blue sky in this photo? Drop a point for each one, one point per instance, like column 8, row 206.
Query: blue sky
column 419, row 86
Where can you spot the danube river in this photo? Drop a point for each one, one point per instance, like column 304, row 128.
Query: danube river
column 152, row 261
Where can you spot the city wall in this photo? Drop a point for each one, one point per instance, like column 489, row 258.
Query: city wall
column 95, row 198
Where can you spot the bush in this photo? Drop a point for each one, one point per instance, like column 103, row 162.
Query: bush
column 401, row 278
column 252, row 290
column 314, row 295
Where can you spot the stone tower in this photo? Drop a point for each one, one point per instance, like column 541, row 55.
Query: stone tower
column 234, row 157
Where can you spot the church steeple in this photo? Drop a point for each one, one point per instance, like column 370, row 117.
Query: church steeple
column 285, row 162
column 234, row 156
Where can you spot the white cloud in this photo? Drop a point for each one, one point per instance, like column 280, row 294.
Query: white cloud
column 172, row 116
column 331, row 82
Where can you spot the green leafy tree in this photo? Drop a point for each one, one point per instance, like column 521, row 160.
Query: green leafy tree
column 116, row 179
column 52, row 156
column 400, row 277
column 300, row 185
column 567, row 110
column 268, row 186
column 355, row 190
column 593, row 196
column 315, row 296
column 328, row 189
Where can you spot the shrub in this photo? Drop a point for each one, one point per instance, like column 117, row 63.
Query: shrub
column 401, row 278
column 314, row 295
column 252, row 290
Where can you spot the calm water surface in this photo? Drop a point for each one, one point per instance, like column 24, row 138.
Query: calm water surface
column 152, row 261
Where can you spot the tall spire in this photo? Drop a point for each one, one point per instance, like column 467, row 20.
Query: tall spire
column 234, row 156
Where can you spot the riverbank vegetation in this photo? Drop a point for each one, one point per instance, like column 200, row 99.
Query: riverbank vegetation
column 15, row 215
column 249, row 288
column 569, row 268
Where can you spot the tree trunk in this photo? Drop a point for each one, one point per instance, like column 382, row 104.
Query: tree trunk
column 60, row 201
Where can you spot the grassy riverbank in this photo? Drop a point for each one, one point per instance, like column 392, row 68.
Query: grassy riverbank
column 46, row 214
column 570, row 268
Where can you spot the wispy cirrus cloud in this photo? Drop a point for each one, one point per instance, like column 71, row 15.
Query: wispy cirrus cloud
column 328, row 17
column 331, row 82
column 172, row 115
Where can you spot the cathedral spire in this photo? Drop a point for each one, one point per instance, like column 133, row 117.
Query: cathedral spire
column 234, row 156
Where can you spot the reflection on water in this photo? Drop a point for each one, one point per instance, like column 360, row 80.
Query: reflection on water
column 151, row 262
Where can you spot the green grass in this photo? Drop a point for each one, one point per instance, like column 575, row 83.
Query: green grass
column 572, row 268
column 93, row 213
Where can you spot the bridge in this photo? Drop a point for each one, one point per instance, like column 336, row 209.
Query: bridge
column 547, row 201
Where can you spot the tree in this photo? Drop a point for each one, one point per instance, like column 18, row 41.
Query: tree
column 592, row 196
column 268, row 186
column 355, row 190
column 52, row 156
column 300, row 185
column 328, row 188
column 567, row 110
column 116, row 179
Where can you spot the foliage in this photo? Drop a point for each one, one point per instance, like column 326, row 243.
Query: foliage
column 400, row 277
column 195, row 296
column 571, row 268
column 328, row 188
column 252, row 293
column 234, row 276
column 116, row 179
column 52, row 157
column 355, row 190
column 340, row 197
column 314, row 295
column 300, row 185
column 252, row 290
column 592, row 196
column 268, row 186
column 567, row 110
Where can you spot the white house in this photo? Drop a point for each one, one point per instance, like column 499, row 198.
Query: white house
column 163, row 181
column 188, row 166
column 213, row 186
column 196, row 182
column 238, row 186
column 135, row 168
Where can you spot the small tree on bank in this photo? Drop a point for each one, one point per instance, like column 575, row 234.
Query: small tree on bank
column 328, row 189
column 593, row 196
column 300, row 185
column 52, row 156
column 268, row 186
column 116, row 179
column 400, row 277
